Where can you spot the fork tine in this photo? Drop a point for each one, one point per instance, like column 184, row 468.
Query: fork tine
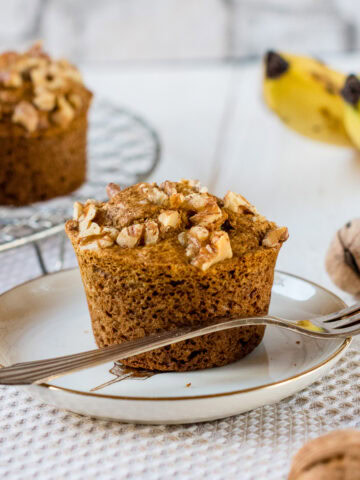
column 339, row 314
column 341, row 323
column 349, row 331
column 347, row 324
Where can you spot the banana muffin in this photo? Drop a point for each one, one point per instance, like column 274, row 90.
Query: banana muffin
column 157, row 258
column 43, row 126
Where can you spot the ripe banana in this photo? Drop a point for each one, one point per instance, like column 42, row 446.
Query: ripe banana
column 305, row 94
column 351, row 96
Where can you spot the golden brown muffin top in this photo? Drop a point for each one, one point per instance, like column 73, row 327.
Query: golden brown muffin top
column 178, row 217
column 38, row 93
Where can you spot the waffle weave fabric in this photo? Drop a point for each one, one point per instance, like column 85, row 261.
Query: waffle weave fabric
column 38, row 441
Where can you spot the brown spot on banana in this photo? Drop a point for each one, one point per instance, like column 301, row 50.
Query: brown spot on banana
column 275, row 65
column 351, row 90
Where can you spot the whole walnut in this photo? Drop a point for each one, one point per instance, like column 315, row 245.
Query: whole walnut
column 335, row 456
column 343, row 258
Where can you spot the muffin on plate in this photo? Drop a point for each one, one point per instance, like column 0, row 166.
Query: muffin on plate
column 43, row 126
column 156, row 258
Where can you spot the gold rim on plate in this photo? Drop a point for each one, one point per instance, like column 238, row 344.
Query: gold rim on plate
column 268, row 386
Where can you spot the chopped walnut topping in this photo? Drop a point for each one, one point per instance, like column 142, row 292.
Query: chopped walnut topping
column 275, row 237
column 112, row 232
column 26, row 115
column 182, row 237
column 112, row 189
column 200, row 233
column 78, row 210
column 169, row 219
column 25, row 65
column 163, row 212
column 129, row 237
column 195, row 201
column 193, row 246
column 41, row 80
column 68, row 71
column 156, row 196
column 106, row 241
column 218, row 250
column 193, row 240
column 64, row 114
column 237, row 203
column 169, row 188
column 90, row 211
column 44, row 100
column 10, row 79
column 209, row 216
column 176, row 200
column 151, row 233
column 88, row 229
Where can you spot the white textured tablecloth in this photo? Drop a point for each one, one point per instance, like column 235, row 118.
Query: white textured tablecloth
column 38, row 441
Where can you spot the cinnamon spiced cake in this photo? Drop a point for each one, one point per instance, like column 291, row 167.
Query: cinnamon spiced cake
column 158, row 257
column 43, row 126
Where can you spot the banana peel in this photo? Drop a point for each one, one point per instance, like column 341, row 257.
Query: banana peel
column 305, row 94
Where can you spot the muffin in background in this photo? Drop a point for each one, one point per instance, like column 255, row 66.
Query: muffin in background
column 157, row 258
column 43, row 127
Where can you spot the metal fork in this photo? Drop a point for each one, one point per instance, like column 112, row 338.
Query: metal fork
column 343, row 323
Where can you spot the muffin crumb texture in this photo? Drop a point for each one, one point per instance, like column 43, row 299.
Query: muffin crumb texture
column 159, row 257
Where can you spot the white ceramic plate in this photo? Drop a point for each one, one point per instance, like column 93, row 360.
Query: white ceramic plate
column 48, row 317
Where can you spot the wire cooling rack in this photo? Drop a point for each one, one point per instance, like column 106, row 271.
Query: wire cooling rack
column 122, row 148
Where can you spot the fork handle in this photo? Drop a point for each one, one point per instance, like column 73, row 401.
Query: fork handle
column 39, row 371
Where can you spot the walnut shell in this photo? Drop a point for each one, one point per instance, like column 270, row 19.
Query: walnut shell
column 343, row 258
column 335, row 456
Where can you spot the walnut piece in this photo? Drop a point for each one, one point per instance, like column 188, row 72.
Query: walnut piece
column 218, row 250
column 176, row 200
column 88, row 229
column 156, row 196
column 64, row 113
column 10, row 79
column 237, row 203
column 112, row 232
column 200, row 233
column 44, row 100
column 182, row 237
column 78, row 210
column 89, row 212
column 194, row 185
column 210, row 216
column 106, row 241
column 195, row 201
column 169, row 219
column 275, row 237
column 26, row 115
column 151, row 233
column 129, row 237
column 169, row 188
